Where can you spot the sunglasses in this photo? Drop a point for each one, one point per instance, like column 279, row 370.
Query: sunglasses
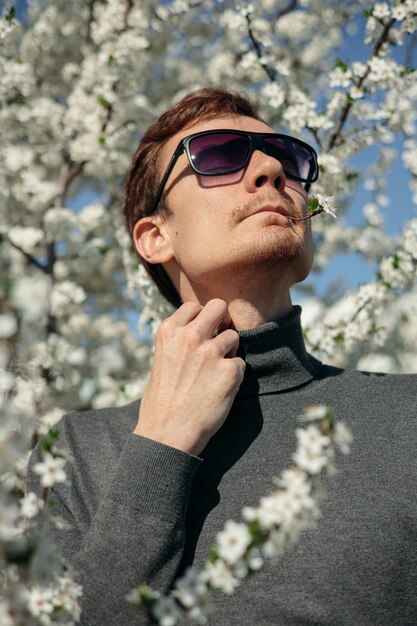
column 220, row 152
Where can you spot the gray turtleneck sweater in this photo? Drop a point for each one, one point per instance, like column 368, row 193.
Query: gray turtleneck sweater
column 138, row 510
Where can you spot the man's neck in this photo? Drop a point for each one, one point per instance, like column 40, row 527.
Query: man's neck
column 246, row 314
column 247, row 310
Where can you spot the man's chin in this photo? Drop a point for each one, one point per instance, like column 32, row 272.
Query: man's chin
column 290, row 264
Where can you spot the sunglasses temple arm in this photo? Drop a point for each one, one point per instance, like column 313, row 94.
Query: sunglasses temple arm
column 170, row 167
column 312, row 168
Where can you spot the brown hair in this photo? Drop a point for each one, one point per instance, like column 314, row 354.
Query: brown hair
column 143, row 180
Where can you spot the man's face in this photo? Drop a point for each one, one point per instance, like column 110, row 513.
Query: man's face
column 214, row 231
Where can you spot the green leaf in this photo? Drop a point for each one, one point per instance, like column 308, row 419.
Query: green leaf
column 373, row 329
column 11, row 14
column 313, row 204
column 349, row 99
column 146, row 596
column 329, row 420
column 257, row 533
column 47, row 441
column 396, row 261
column 104, row 103
column 342, row 65
column 111, row 60
column 213, row 555
column 339, row 337
column 102, row 140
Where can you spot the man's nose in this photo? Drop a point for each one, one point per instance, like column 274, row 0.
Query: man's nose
column 264, row 171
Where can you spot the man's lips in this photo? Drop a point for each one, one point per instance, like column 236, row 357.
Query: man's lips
column 280, row 210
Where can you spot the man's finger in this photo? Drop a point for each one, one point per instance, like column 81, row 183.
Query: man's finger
column 228, row 341
column 214, row 314
column 186, row 313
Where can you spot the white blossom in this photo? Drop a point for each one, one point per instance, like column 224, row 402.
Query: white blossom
column 314, row 412
column 190, row 587
column 30, row 505
column 381, row 10
column 166, row 611
column 312, row 439
column 8, row 325
column 327, row 204
column 221, row 576
column 6, row 609
column 40, row 601
column 58, row 222
column 30, row 295
column 233, row 541
column 343, row 437
column 65, row 294
column 308, row 460
column 50, row 470
column 25, row 237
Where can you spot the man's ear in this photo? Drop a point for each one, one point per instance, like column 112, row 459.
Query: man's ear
column 152, row 241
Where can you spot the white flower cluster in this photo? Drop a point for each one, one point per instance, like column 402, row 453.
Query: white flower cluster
column 356, row 318
column 49, row 596
column 44, row 602
column 268, row 531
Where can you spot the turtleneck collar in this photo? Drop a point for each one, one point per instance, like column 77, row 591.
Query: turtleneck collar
column 275, row 355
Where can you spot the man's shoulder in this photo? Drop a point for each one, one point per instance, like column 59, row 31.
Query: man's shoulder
column 387, row 392
column 373, row 378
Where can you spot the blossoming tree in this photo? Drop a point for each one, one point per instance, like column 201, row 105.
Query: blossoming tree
column 81, row 80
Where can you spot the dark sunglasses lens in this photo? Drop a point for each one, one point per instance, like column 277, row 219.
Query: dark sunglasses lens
column 296, row 160
column 219, row 153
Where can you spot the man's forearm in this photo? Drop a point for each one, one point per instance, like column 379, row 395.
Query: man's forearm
column 137, row 533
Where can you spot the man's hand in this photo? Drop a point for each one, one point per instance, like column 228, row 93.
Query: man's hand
column 192, row 383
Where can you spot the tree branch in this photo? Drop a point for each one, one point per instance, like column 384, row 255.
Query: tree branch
column 90, row 20
column 358, row 83
column 71, row 171
column 32, row 260
column 270, row 72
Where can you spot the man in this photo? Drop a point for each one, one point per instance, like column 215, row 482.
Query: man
column 213, row 203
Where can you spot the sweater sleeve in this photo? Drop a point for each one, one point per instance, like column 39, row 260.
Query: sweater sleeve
column 137, row 532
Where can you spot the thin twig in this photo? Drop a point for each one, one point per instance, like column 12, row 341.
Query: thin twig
column 314, row 132
column 270, row 72
column 69, row 173
column 90, row 20
column 307, row 217
column 358, row 83
column 32, row 260
column 129, row 7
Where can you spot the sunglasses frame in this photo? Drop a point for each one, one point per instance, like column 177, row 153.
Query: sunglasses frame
column 255, row 143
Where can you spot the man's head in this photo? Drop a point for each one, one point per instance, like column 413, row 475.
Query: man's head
column 202, row 226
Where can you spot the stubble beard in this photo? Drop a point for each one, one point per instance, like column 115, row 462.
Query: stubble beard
column 280, row 250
